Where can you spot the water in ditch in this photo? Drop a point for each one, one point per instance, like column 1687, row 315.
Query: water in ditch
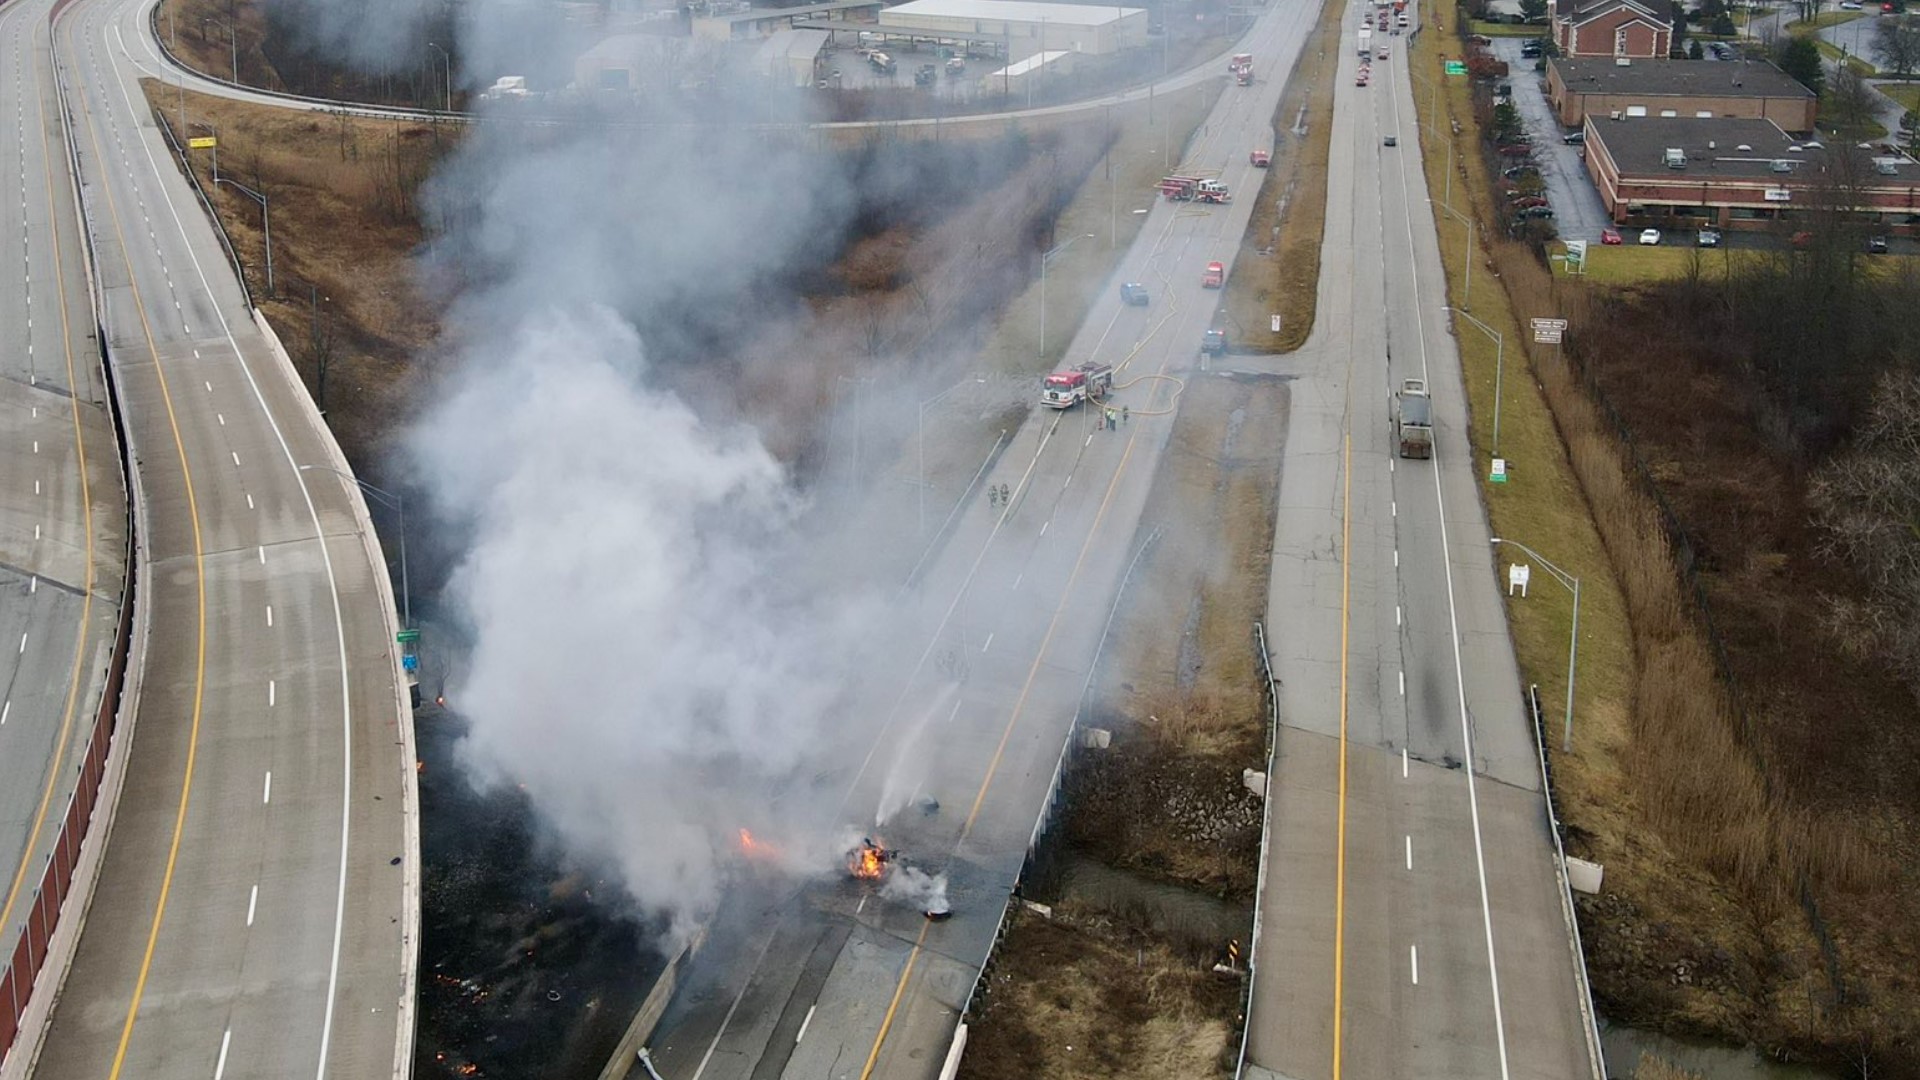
column 1623, row 1046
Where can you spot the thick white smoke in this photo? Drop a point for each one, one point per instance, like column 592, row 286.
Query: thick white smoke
column 634, row 663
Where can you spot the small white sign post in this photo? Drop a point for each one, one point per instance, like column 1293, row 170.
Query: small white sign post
column 1517, row 576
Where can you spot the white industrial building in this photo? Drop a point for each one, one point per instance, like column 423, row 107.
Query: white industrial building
column 1028, row 76
column 1021, row 27
column 793, row 57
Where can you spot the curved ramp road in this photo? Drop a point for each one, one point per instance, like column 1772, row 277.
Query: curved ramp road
column 63, row 527
column 256, row 909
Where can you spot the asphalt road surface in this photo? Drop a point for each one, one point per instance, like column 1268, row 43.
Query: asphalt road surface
column 62, row 507
column 255, row 913
column 1411, row 924
column 843, row 983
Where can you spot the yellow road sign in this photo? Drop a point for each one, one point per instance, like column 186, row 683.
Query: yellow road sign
column 202, row 142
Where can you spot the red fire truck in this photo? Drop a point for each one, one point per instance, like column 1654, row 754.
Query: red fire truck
column 1064, row 389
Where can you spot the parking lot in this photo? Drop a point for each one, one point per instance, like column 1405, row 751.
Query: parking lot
column 1578, row 213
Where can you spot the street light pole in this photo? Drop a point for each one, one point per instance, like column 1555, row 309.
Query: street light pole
column 1043, row 287
column 266, row 222
column 399, row 504
column 920, row 429
column 448, row 57
column 1573, row 637
column 1499, row 367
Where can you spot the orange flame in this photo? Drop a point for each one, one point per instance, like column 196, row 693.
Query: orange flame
column 866, row 862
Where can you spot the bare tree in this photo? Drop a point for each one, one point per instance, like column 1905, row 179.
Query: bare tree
column 1851, row 101
column 1896, row 44
column 1868, row 502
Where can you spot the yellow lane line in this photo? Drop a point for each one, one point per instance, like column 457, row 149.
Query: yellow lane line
column 1340, row 858
column 1006, row 734
column 86, row 504
column 1053, row 626
column 200, row 584
column 887, row 1021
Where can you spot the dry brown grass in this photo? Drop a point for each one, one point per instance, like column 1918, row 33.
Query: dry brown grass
column 1653, row 1068
column 1081, row 997
column 1278, row 268
column 343, row 230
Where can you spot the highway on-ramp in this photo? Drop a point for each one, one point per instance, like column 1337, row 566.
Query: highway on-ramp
column 1412, row 923
column 256, row 906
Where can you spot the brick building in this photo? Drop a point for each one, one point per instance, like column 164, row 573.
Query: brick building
column 1753, row 90
column 1611, row 28
column 1682, row 173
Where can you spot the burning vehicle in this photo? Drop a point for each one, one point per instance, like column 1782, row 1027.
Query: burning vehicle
column 875, row 862
column 869, row 861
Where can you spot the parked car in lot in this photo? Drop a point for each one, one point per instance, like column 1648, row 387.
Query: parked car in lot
column 1708, row 238
column 1610, row 237
column 1876, row 245
column 1518, row 171
column 1527, row 202
column 1535, row 212
column 1650, row 237
column 1575, row 138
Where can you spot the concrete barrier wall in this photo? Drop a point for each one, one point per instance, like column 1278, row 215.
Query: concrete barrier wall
column 38, row 961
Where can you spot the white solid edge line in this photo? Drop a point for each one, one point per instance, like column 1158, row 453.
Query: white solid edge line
column 333, row 586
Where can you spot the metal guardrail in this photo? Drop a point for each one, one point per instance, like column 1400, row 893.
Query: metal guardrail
column 1266, row 833
column 206, row 203
column 1588, row 1013
column 1047, row 807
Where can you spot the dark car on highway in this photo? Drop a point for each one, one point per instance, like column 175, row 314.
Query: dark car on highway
column 1134, row 293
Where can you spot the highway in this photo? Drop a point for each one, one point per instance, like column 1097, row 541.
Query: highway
column 256, row 908
column 63, row 509
column 1411, row 924
column 840, row 983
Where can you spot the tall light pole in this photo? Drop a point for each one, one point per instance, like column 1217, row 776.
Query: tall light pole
column 1043, row 287
column 266, row 223
column 1466, row 290
column 920, row 429
column 448, row 57
column 1499, row 364
column 393, row 502
column 233, row 44
column 1573, row 637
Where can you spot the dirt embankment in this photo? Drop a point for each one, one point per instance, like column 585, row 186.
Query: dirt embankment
column 1159, row 826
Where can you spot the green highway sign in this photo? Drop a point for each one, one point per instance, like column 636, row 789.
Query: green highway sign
column 407, row 636
column 1456, row 67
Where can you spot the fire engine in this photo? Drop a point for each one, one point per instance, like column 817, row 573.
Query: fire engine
column 1240, row 60
column 1243, row 75
column 1260, row 158
column 1194, row 189
column 1088, row 382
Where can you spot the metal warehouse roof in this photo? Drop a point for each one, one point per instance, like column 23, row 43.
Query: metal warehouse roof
column 792, row 45
column 1032, row 63
column 1020, row 11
